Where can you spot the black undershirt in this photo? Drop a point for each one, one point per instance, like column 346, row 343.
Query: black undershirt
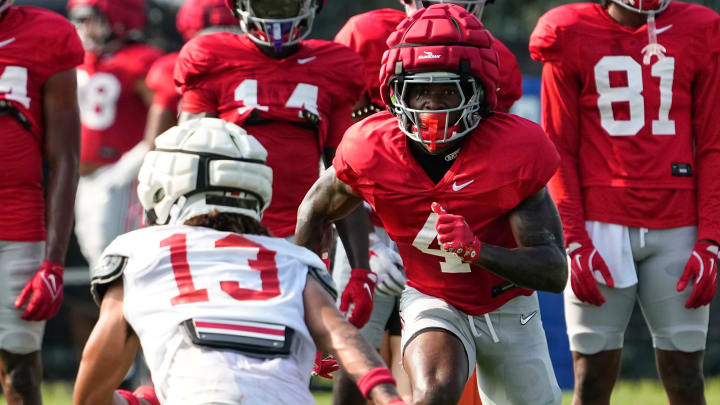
column 434, row 165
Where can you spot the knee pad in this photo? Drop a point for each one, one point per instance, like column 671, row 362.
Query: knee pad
column 595, row 342
column 683, row 340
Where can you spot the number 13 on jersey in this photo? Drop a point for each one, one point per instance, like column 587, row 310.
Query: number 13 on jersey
column 264, row 263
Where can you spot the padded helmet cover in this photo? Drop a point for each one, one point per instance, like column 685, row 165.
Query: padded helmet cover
column 441, row 37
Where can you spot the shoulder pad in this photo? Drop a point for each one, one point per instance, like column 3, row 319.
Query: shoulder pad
column 325, row 280
column 109, row 269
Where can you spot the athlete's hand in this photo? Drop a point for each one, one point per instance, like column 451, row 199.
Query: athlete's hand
column 142, row 392
column 359, row 293
column 455, row 236
column 584, row 261
column 323, row 367
column 387, row 265
column 702, row 267
column 44, row 291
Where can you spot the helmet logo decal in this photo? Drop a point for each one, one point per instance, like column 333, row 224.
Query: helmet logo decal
column 429, row 55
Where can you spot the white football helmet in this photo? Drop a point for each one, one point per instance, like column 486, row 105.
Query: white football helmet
column 203, row 165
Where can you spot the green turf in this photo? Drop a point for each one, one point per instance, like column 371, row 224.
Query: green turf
column 626, row 392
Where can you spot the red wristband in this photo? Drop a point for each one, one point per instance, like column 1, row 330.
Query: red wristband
column 397, row 401
column 132, row 399
column 378, row 375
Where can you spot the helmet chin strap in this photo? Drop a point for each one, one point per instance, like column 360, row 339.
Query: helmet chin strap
column 652, row 48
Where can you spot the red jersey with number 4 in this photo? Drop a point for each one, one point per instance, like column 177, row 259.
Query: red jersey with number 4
column 505, row 160
column 160, row 80
column 367, row 33
column 296, row 107
column 34, row 45
column 640, row 143
column 113, row 114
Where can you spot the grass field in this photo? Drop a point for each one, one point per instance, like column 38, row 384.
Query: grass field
column 626, row 393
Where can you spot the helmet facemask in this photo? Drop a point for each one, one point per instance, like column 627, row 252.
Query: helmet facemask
column 475, row 7
column 435, row 128
column 276, row 32
column 4, row 5
column 93, row 28
column 644, row 6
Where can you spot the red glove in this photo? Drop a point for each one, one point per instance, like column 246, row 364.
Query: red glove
column 455, row 235
column 323, row 367
column 584, row 261
column 702, row 266
column 46, row 288
column 359, row 293
column 147, row 393
column 142, row 392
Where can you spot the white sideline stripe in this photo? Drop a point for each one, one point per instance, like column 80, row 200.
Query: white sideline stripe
column 241, row 323
column 241, row 333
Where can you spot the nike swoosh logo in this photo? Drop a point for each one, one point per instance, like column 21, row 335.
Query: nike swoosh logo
column 525, row 319
column 52, row 286
column 7, row 41
column 663, row 29
column 458, row 187
column 368, row 291
column 306, row 60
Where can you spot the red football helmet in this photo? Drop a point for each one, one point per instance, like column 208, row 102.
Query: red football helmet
column 117, row 20
column 443, row 43
column 275, row 32
column 474, row 6
column 196, row 15
column 5, row 4
column 644, row 6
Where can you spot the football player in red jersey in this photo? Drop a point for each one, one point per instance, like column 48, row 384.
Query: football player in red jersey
column 194, row 17
column 294, row 95
column 367, row 33
column 39, row 124
column 630, row 95
column 461, row 191
column 113, row 100
column 246, row 340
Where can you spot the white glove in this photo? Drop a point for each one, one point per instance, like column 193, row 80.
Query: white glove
column 386, row 263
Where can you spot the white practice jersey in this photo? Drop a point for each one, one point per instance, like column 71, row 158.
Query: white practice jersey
column 175, row 273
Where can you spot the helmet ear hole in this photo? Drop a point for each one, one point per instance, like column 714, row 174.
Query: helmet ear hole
column 158, row 195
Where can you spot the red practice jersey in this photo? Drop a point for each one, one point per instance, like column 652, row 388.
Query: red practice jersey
column 160, row 80
column 34, row 45
column 505, row 160
column 640, row 143
column 113, row 114
column 296, row 107
column 367, row 33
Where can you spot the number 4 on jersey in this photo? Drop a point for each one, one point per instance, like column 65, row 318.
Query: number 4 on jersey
column 13, row 83
column 426, row 236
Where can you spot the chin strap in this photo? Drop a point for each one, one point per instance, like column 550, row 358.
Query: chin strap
column 652, row 48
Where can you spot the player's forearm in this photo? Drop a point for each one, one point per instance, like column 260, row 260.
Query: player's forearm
column 59, row 206
column 353, row 230
column 537, row 268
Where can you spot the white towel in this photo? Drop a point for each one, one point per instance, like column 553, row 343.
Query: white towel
column 612, row 242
